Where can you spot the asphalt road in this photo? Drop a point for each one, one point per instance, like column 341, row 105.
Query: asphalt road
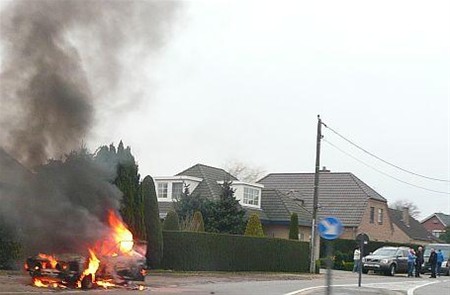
column 252, row 284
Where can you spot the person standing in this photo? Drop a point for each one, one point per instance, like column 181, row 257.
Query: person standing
column 411, row 260
column 356, row 260
column 433, row 262
column 439, row 260
column 419, row 261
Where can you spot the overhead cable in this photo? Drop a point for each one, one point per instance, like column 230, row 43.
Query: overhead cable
column 384, row 161
column 384, row 173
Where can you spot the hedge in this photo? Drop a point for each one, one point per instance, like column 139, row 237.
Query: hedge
column 193, row 251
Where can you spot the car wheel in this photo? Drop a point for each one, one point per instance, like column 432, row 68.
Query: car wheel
column 391, row 271
column 365, row 271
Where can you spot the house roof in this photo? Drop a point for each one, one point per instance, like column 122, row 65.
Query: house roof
column 210, row 175
column 414, row 230
column 342, row 194
column 279, row 207
column 443, row 218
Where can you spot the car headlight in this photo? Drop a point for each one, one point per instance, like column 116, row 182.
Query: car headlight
column 384, row 261
column 364, row 259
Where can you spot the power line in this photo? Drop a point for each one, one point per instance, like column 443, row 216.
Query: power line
column 384, row 161
column 384, row 173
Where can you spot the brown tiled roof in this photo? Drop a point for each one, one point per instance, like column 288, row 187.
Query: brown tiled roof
column 414, row 229
column 342, row 195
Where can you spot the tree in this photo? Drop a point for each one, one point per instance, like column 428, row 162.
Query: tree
column 244, row 172
column 127, row 180
column 171, row 221
column 152, row 223
column 226, row 214
column 446, row 236
column 197, row 222
column 187, row 204
column 293, row 227
column 412, row 208
column 254, row 227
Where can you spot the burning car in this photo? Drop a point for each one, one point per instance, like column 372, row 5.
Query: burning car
column 112, row 262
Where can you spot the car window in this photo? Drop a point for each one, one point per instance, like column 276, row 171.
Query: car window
column 405, row 253
column 399, row 253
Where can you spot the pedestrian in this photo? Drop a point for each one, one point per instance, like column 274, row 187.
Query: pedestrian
column 433, row 262
column 356, row 260
column 411, row 261
column 439, row 260
column 419, row 261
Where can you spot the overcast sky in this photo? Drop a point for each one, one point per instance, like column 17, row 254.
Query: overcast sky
column 245, row 80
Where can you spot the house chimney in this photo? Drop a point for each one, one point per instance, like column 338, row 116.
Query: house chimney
column 324, row 169
column 405, row 216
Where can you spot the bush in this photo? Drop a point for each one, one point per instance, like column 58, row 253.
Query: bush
column 293, row 227
column 171, row 221
column 254, row 227
column 197, row 222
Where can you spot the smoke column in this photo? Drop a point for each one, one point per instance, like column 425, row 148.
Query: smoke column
column 59, row 58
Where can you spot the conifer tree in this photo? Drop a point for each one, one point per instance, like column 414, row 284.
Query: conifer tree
column 197, row 220
column 226, row 214
column 254, row 227
column 293, row 227
column 152, row 223
column 171, row 221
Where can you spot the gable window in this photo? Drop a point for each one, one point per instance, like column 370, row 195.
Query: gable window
column 372, row 214
column 380, row 216
column 251, row 196
column 177, row 190
column 162, row 190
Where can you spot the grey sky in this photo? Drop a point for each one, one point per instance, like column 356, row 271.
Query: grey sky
column 245, row 80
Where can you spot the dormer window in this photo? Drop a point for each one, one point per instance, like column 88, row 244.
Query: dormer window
column 177, row 190
column 251, row 196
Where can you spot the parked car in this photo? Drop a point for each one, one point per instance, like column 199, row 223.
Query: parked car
column 445, row 248
column 387, row 260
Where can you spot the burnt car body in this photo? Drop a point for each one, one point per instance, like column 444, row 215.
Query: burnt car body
column 67, row 269
column 387, row 260
column 445, row 248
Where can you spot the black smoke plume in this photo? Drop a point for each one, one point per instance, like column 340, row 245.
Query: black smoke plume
column 60, row 59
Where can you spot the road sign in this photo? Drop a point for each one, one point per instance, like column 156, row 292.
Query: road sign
column 330, row 228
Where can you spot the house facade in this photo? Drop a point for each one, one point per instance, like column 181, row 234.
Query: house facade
column 436, row 223
column 273, row 207
column 408, row 230
column 343, row 195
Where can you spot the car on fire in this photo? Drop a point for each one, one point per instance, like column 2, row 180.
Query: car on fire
column 387, row 260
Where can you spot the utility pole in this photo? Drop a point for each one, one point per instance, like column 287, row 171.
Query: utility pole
column 314, row 249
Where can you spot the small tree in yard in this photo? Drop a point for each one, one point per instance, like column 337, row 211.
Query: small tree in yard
column 293, row 227
column 254, row 227
column 187, row 204
column 225, row 215
column 152, row 223
column 446, row 236
column 197, row 221
column 171, row 221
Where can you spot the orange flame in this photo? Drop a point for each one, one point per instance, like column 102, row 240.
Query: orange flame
column 121, row 235
column 39, row 283
column 51, row 258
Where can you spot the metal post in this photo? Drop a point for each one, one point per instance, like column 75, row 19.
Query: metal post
column 329, row 265
column 314, row 254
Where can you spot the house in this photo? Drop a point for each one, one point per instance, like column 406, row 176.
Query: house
column 343, row 195
column 436, row 223
column 273, row 207
column 408, row 230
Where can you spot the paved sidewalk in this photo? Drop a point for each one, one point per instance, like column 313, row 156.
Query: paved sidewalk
column 351, row 291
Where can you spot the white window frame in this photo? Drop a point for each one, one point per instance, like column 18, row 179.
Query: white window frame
column 380, row 216
column 174, row 197
column 251, row 196
column 163, row 190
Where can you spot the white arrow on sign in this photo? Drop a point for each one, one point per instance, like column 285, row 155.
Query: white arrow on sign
column 330, row 228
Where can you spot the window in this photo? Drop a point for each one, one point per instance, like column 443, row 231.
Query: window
column 380, row 216
column 372, row 214
column 251, row 196
column 162, row 190
column 177, row 190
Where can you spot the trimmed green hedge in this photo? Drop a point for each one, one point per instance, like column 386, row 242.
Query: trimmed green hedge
column 193, row 251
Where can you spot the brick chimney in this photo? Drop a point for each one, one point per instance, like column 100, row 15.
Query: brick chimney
column 405, row 216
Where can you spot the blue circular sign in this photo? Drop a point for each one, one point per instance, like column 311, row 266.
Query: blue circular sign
column 330, row 228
